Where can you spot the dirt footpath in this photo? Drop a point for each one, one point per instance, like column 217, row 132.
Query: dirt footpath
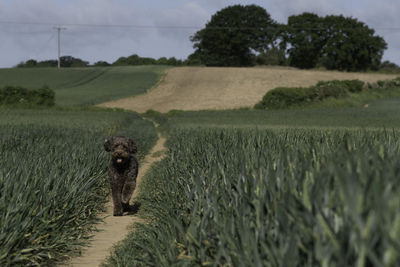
column 198, row 88
column 115, row 229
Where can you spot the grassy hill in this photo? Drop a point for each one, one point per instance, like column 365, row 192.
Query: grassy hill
column 85, row 86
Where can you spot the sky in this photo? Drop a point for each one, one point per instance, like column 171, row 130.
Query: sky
column 108, row 29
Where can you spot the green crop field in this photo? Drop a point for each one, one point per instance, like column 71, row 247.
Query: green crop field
column 53, row 165
column 53, row 178
column 85, row 86
column 297, row 187
column 383, row 113
column 228, row 197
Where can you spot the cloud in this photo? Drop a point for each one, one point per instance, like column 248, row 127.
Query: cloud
column 384, row 19
column 184, row 21
column 284, row 9
column 31, row 40
column 379, row 15
column 24, row 41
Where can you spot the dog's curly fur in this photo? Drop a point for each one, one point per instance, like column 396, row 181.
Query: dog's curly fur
column 123, row 171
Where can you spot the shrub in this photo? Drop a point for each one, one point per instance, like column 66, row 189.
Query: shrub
column 354, row 86
column 394, row 82
column 386, row 84
column 334, row 89
column 23, row 97
column 389, row 67
column 283, row 97
column 338, row 88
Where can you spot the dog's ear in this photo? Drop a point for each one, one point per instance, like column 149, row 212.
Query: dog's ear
column 108, row 144
column 132, row 146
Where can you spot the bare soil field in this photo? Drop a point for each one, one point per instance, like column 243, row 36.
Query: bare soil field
column 200, row 88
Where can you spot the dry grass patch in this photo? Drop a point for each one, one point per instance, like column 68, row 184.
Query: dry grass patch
column 200, row 88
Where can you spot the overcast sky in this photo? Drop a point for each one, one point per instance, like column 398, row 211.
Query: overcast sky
column 157, row 27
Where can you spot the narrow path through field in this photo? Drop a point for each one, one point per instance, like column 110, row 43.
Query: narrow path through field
column 114, row 229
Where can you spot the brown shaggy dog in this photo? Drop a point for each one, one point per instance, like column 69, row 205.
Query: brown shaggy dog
column 123, row 171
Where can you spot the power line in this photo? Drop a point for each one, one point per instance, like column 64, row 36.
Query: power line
column 101, row 25
column 156, row 27
column 45, row 45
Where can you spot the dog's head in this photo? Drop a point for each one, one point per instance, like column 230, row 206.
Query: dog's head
column 121, row 148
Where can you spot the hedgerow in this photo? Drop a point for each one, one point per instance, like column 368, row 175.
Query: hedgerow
column 284, row 97
column 23, row 97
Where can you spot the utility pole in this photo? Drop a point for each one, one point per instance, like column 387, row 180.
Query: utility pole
column 59, row 46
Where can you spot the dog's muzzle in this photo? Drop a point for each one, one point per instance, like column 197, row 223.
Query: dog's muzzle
column 120, row 156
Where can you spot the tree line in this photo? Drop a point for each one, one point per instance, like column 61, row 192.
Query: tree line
column 133, row 60
column 246, row 35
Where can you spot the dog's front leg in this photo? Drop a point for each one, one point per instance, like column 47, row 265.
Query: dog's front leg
column 127, row 192
column 130, row 184
column 116, row 189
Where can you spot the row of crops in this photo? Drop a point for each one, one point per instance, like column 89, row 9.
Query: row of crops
column 53, row 179
column 226, row 197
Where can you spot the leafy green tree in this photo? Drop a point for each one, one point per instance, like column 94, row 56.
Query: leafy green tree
column 101, row 64
column 335, row 42
column 146, row 61
column 122, row 61
column 194, row 59
column 233, row 36
column 389, row 67
column 274, row 56
column 31, row 63
column 306, row 36
column 69, row 61
column 134, row 60
column 172, row 61
column 51, row 63
column 162, row 61
column 351, row 45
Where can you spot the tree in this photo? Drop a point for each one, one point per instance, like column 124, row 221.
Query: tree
column 194, row 59
column 31, row 63
column 162, row 61
column 134, row 60
column 172, row 61
column 305, row 34
column 351, row 45
column 233, row 36
column 389, row 67
column 335, row 42
column 101, row 64
column 69, row 61
column 275, row 57
column 47, row 63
